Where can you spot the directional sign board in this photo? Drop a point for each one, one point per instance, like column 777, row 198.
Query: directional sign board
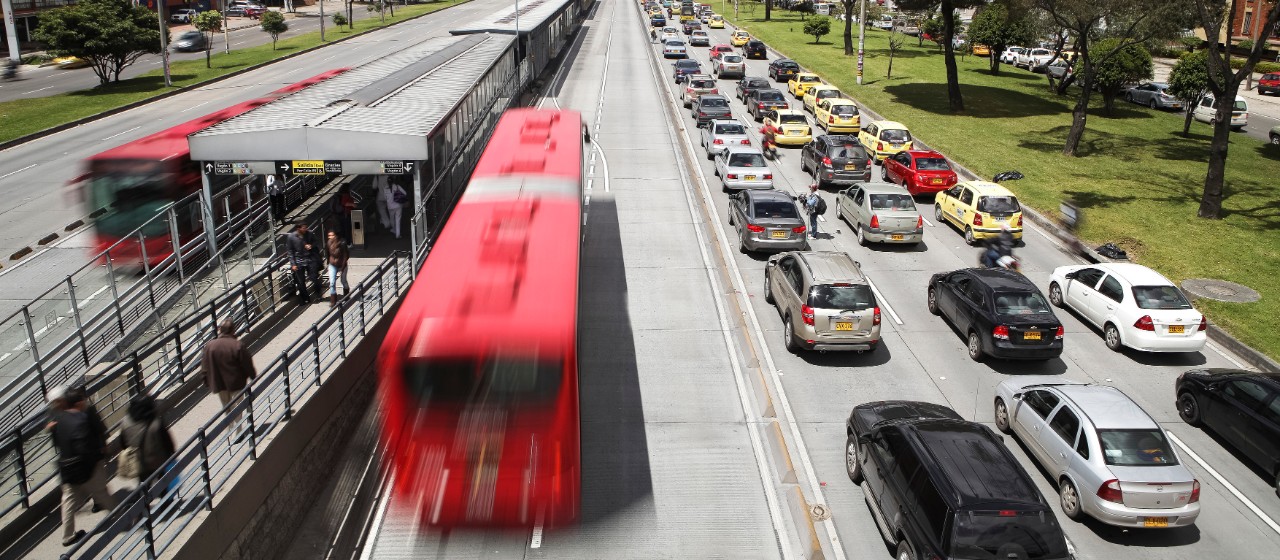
column 309, row 167
column 383, row 167
column 237, row 167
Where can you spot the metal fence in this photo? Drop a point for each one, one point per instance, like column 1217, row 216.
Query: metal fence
column 152, row 518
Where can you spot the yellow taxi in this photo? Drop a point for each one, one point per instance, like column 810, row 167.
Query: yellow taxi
column 69, row 62
column 980, row 49
column 837, row 114
column 818, row 93
column 885, row 138
column 793, row 128
column 716, row 22
column 801, row 83
column 739, row 38
column 979, row 208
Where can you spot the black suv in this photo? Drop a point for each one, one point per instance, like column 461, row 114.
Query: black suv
column 783, row 69
column 685, row 68
column 836, row 160
column 761, row 101
column 755, row 49
column 748, row 85
column 941, row 487
column 999, row 312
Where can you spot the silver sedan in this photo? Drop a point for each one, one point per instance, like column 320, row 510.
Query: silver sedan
column 767, row 221
column 1154, row 95
column 719, row 135
column 880, row 213
column 743, row 167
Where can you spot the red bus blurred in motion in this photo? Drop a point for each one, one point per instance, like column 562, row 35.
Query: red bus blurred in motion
column 479, row 371
column 136, row 181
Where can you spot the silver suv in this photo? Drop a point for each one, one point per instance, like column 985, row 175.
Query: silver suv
column 824, row 299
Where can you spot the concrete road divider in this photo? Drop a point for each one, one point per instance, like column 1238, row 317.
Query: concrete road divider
column 73, row 225
column 47, row 239
column 21, row 253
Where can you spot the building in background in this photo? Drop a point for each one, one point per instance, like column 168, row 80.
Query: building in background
column 1248, row 19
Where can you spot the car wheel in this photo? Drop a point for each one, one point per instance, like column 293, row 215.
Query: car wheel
column 710, row 156
column 716, row 172
column 1153, row 105
column 904, row 551
column 862, row 237
column 975, row 347
column 1111, row 335
column 1275, row 139
column 804, row 167
column 884, row 173
column 1069, row 497
column 1128, row 97
column 1277, row 483
column 789, row 336
column 1002, row 416
column 852, row 462
column 1055, row 294
column 937, row 212
column 840, row 213
column 768, row 291
column 1189, row 408
column 731, row 218
column 933, row 303
column 968, row 236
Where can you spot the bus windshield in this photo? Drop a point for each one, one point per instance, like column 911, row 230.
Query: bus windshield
column 132, row 191
column 498, row 379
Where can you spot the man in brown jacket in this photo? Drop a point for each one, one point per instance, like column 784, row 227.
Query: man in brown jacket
column 227, row 366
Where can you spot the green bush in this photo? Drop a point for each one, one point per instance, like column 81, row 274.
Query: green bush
column 36, row 59
column 339, row 19
column 1262, row 67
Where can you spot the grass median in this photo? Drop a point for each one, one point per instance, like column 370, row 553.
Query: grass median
column 21, row 117
column 1138, row 180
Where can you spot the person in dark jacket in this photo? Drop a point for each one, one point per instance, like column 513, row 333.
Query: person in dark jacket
column 338, row 256
column 341, row 206
column 227, row 366
column 304, row 260
column 80, row 437
column 144, row 430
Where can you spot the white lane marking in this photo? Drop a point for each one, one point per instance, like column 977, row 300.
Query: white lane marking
column 1222, row 480
column 194, row 106
column 604, row 162
column 333, row 544
column 535, row 541
column 926, row 220
column 119, row 133
column 367, row 552
column 18, row 171
column 5, row 356
column 35, row 90
column 883, row 301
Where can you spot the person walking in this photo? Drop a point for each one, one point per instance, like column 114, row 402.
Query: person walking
column 145, row 432
column 304, row 260
column 227, row 366
column 380, row 183
column 815, row 206
column 395, row 197
column 338, row 256
column 341, row 206
column 275, row 195
column 80, row 437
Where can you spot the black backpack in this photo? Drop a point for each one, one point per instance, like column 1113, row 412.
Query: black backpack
column 820, row 207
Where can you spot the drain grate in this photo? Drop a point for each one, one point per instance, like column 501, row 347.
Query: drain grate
column 1220, row 290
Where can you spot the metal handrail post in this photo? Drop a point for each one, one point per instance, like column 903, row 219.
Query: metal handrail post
column 75, row 313
column 115, row 294
column 177, row 342
column 142, row 250
column 204, row 466
column 137, row 374
column 342, row 330
column 22, row 469
column 35, row 352
column 315, row 345
column 253, row 427
column 288, row 386
column 177, row 244
column 149, row 534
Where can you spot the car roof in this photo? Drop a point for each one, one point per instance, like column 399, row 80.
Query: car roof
column 883, row 188
column 1267, row 377
column 806, row 74
column 788, row 112
column 831, row 266
column 890, row 125
column 769, row 194
column 879, row 412
column 727, row 121
column 925, row 153
column 1002, row 279
column 687, row 62
column 743, row 150
column 1135, row 274
column 967, row 455
column 1107, row 407
column 823, row 86
column 986, row 188
column 838, row 101
column 840, row 139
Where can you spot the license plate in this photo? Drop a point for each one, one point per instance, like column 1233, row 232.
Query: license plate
column 779, row 235
column 936, row 180
column 851, row 167
column 750, row 177
column 1155, row 522
column 1177, row 329
column 897, row 237
column 1031, row 335
column 844, row 325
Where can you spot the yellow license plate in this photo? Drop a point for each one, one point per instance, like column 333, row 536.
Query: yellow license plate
column 1031, row 335
column 750, row 177
column 1177, row 329
column 897, row 237
column 1155, row 522
column 844, row 326
column 851, row 167
column 936, row 180
column 779, row 235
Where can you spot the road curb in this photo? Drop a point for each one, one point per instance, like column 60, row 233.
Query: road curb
column 85, row 120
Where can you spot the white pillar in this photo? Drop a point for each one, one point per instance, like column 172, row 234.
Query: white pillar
column 11, row 31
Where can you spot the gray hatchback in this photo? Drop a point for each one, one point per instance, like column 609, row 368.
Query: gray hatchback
column 709, row 107
column 767, row 221
column 825, row 300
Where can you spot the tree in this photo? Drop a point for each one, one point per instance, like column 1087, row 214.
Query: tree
column 207, row 23
column 851, row 9
column 340, row 19
column 1188, row 81
column 1224, row 83
column 817, row 27
column 1129, row 64
column 896, row 39
column 108, row 34
column 948, row 10
column 917, row 17
column 1000, row 25
column 273, row 23
column 933, row 28
column 768, row 10
column 804, row 8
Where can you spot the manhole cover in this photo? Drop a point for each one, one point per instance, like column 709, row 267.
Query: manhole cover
column 1220, row 290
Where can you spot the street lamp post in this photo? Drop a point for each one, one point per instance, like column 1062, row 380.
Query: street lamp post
column 321, row 2
column 226, row 39
column 164, row 43
column 519, row 51
column 862, row 28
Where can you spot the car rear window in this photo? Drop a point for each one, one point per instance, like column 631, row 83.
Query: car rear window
column 1001, row 534
column 770, row 95
column 776, row 209
column 731, row 58
column 998, row 204
column 932, row 164
column 687, row 64
column 842, row 296
column 809, row 79
column 731, row 128
column 675, row 43
column 1271, row 77
column 757, row 83
column 1160, row 297
column 746, row 160
column 788, row 66
column 1136, row 448
column 844, row 110
column 1021, row 303
column 702, row 83
column 892, row 202
column 791, row 119
column 1240, row 105
column 894, row 135
column 713, row 102
column 847, row 151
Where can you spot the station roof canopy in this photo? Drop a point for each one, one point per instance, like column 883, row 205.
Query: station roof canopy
column 532, row 14
column 383, row 110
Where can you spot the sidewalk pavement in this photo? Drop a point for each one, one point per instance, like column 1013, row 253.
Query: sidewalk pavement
column 1265, row 105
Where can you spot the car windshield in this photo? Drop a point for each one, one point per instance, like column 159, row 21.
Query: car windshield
column 842, row 296
column 998, row 204
column 732, row 128
column 1136, row 448
column 895, row 135
column 847, row 151
column 1160, row 297
column 713, row 102
column 776, row 209
column 746, row 160
column 191, row 35
column 997, row 535
column 844, row 110
column 932, row 164
column 791, row 119
column 1240, row 106
column 731, row 58
column 703, row 83
column 1021, row 303
column 892, row 202
column 770, row 95
column 511, row 380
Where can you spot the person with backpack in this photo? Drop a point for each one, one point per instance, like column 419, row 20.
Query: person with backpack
column 80, row 437
column 396, row 198
column 144, row 432
column 815, row 206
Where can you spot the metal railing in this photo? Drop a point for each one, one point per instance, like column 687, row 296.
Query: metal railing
column 153, row 517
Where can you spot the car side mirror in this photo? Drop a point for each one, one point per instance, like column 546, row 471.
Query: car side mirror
column 1069, row 276
column 864, row 439
column 1017, row 395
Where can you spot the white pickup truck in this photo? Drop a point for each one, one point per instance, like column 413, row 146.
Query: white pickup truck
column 1033, row 59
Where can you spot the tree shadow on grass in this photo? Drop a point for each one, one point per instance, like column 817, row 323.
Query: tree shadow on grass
column 1255, row 203
column 902, row 53
column 980, row 101
column 1127, row 148
column 1006, row 74
column 142, row 84
column 1269, row 151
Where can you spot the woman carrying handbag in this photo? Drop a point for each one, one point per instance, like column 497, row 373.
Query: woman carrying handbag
column 147, row 442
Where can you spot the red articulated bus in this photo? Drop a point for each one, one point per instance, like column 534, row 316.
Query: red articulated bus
column 137, row 180
column 478, row 374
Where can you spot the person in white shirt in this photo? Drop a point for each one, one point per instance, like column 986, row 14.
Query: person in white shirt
column 395, row 207
column 380, row 183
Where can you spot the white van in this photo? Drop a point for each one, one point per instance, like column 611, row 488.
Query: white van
column 1206, row 111
column 822, row 9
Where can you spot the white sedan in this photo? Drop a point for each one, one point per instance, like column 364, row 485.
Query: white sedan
column 669, row 33
column 743, row 167
column 1132, row 304
column 720, row 135
column 674, row 49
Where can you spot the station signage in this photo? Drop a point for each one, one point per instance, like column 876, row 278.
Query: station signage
column 309, row 167
column 237, row 167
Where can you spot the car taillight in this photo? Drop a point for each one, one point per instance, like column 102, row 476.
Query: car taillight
column 1001, row 332
column 875, row 222
column 875, row 316
column 714, row 91
column 701, row 114
column 718, row 141
column 745, row 142
column 826, row 161
column 760, row 106
column 733, row 175
column 977, row 219
column 1019, row 220
column 831, row 120
column 1195, row 492
column 754, row 228
column 1145, row 324
column 1110, row 491
column 879, row 146
column 768, row 175
column 1060, row 333
column 919, row 222
column 799, row 229
column 806, row 313
column 1204, row 323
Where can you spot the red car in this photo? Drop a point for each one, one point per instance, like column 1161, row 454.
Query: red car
column 1270, row 83
column 254, row 12
column 719, row 50
column 920, row 171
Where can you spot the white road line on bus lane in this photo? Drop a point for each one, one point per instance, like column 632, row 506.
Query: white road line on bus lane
column 366, row 553
column 1222, row 480
column 119, row 133
column 18, row 171
column 883, row 301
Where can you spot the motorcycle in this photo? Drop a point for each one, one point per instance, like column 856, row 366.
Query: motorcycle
column 1007, row 262
column 11, row 70
column 769, row 148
